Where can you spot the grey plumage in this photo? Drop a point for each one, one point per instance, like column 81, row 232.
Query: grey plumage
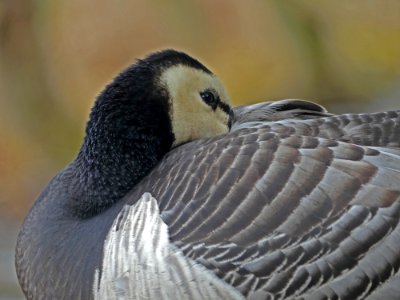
column 293, row 208
column 292, row 202
column 140, row 262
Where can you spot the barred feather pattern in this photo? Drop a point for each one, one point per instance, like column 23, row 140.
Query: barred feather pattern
column 295, row 208
column 139, row 262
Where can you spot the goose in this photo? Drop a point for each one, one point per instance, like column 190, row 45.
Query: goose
column 174, row 194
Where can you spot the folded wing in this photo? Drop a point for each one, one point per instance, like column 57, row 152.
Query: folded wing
column 295, row 207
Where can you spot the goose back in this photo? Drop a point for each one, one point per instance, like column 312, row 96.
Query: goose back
column 297, row 207
column 293, row 203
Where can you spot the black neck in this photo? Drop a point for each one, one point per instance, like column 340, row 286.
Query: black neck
column 123, row 142
column 128, row 132
column 105, row 171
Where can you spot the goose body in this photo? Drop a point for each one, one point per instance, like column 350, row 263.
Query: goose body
column 174, row 195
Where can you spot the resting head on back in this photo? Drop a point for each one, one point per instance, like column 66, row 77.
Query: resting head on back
column 158, row 103
column 291, row 202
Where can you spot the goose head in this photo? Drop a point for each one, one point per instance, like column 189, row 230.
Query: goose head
column 169, row 96
column 160, row 102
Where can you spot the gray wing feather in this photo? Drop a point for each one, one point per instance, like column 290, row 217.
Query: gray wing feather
column 376, row 129
column 139, row 262
column 296, row 208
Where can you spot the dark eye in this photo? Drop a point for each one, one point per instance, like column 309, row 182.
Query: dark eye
column 210, row 99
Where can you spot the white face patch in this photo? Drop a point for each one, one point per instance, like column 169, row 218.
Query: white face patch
column 191, row 117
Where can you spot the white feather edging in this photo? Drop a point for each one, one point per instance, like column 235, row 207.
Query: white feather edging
column 140, row 262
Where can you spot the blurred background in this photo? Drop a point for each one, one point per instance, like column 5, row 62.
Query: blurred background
column 55, row 57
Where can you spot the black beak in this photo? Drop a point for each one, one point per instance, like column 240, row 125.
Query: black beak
column 231, row 117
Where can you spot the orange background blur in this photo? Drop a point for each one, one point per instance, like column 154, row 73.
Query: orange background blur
column 55, row 57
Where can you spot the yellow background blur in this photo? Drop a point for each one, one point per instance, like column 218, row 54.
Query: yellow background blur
column 55, row 57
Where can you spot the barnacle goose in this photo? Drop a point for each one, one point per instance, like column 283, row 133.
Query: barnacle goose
column 175, row 195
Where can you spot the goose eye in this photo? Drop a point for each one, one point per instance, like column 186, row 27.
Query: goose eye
column 210, row 99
